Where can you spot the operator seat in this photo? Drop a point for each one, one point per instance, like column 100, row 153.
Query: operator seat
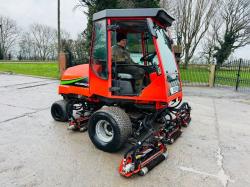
column 125, row 76
column 122, row 82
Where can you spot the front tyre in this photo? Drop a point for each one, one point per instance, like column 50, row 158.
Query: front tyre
column 109, row 128
column 59, row 111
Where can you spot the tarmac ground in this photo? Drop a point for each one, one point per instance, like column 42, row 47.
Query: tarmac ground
column 35, row 150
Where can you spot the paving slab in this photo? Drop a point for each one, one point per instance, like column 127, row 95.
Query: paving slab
column 35, row 150
column 7, row 80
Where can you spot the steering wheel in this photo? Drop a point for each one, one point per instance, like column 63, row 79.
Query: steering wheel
column 148, row 57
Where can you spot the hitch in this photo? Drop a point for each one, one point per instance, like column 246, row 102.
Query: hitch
column 79, row 123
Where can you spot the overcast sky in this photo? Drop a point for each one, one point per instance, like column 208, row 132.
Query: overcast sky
column 26, row 12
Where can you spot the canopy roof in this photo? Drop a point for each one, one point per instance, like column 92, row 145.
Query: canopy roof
column 158, row 13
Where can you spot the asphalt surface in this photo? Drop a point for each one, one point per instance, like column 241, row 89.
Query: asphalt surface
column 37, row 151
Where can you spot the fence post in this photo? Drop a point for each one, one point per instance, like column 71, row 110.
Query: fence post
column 62, row 64
column 211, row 75
column 238, row 76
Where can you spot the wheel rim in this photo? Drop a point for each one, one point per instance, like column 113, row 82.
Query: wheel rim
column 104, row 131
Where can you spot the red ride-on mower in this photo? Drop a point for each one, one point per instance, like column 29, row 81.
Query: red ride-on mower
column 106, row 97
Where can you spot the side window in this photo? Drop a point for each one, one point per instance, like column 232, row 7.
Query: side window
column 150, row 48
column 99, row 53
column 134, row 46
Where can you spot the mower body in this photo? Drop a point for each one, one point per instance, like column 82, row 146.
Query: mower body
column 106, row 101
column 148, row 30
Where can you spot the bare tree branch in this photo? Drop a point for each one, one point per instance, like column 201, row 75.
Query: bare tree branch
column 235, row 31
column 193, row 18
column 8, row 35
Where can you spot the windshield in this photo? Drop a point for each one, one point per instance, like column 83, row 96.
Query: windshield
column 167, row 56
column 168, row 59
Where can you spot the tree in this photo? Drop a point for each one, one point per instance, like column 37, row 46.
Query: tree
column 235, row 29
column 40, row 43
column 26, row 47
column 8, row 36
column 78, row 49
column 74, row 50
column 43, row 40
column 208, row 47
column 168, row 5
column 138, row 3
column 94, row 6
column 193, row 18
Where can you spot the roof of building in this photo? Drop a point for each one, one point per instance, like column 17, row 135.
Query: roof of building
column 159, row 13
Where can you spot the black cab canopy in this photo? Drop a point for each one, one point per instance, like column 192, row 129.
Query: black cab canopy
column 159, row 14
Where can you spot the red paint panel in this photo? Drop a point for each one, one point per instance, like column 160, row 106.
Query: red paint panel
column 65, row 89
column 76, row 72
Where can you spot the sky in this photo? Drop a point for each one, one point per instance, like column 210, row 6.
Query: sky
column 26, row 12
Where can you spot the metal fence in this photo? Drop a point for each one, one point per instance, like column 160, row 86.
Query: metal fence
column 234, row 74
column 195, row 74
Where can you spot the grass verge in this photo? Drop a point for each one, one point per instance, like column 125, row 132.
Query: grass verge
column 37, row 69
column 195, row 75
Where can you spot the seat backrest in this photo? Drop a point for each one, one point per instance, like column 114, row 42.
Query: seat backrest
column 125, row 76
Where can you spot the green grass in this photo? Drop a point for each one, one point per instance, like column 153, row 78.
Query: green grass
column 229, row 77
column 38, row 69
column 199, row 74
column 195, row 75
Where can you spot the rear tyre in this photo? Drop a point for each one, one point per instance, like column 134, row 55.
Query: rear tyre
column 109, row 128
column 59, row 111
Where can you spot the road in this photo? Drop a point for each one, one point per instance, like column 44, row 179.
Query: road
column 35, row 150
